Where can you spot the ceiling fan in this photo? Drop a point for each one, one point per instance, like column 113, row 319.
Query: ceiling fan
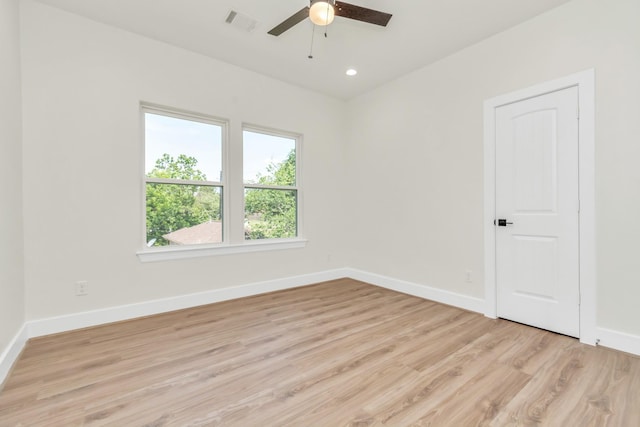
column 322, row 13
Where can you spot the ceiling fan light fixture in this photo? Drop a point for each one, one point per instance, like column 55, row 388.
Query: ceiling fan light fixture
column 322, row 12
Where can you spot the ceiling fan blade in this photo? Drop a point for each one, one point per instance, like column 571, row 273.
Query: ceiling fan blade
column 294, row 19
column 363, row 14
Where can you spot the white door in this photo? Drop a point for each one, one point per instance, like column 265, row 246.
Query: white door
column 537, row 241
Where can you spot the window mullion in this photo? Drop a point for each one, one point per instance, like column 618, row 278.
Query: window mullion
column 182, row 182
column 271, row 187
column 234, row 203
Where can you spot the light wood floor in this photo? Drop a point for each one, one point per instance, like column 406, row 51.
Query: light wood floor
column 332, row 354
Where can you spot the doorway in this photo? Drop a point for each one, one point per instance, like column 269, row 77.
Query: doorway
column 540, row 253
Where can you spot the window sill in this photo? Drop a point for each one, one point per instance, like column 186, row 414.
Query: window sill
column 182, row 252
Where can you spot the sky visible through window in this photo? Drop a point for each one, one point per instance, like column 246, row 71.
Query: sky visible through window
column 260, row 150
column 203, row 141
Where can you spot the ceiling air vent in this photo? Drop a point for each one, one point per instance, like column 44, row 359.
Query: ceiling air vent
column 241, row 21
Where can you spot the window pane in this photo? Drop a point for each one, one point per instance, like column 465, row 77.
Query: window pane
column 270, row 214
column 183, row 214
column 182, row 149
column 268, row 159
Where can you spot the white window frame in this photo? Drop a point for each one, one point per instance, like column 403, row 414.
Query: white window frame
column 297, row 188
column 230, row 190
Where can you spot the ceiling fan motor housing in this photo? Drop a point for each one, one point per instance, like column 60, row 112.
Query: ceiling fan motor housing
column 322, row 12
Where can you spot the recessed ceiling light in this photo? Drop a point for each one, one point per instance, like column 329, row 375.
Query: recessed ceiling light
column 352, row 72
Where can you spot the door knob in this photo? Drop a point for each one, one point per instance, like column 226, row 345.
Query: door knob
column 502, row 223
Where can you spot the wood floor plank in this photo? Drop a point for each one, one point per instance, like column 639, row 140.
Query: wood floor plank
column 432, row 387
column 485, row 395
column 578, row 386
column 339, row 353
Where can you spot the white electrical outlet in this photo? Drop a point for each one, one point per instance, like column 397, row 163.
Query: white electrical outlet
column 82, row 288
column 468, row 278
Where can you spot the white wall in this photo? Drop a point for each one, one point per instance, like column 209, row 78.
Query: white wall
column 415, row 153
column 11, row 253
column 82, row 85
column 405, row 197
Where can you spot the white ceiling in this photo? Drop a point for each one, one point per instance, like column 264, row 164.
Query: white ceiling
column 419, row 33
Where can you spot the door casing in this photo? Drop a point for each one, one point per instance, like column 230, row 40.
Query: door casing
column 585, row 82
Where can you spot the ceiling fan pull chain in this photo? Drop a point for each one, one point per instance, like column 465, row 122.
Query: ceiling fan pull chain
column 329, row 8
column 313, row 32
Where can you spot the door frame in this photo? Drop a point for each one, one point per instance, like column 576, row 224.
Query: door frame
column 585, row 82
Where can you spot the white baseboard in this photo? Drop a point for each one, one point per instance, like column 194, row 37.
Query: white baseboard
column 11, row 353
column 86, row 319
column 52, row 325
column 34, row 328
column 617, row 340
column 427, row 292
